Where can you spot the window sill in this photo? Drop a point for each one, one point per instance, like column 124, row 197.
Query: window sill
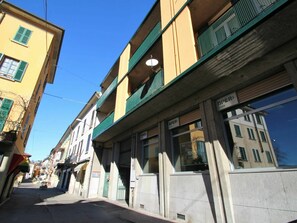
column 263, row 170
column 7, row 78
column 19, row 43
column 188, row 173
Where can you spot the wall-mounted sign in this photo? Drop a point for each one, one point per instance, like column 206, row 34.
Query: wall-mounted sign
column 143, row 135
column 173, row 123
column 227, row 101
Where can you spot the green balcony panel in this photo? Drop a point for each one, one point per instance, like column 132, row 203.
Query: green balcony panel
column 146, row 90
column 146, row 44
column 105, row 124
column 234, row 21
column 107, row 92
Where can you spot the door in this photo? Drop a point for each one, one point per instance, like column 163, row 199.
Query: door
column 106, row 181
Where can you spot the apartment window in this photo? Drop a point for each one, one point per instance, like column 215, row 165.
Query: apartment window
column 1, row 157
column 6, row 105
column 88, row 143
column 11, row 68
column 225, row 28
column 92, row 119
column 37, row 106
column 242, row 153
column 77, row 133
column 237, row 131
column 268, row 156
column 150, row 148
column 247, row 118
column 22, row 36
column 263, row 137
column 84, row 127
column 256, row 155
column 79, row 150
column 251, row 134
column 233, row 113
column 258, row 119
column 188, row 148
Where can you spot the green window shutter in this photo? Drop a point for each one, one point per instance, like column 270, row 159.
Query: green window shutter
column 4, row 111
column 21, row 70
column 22, row 35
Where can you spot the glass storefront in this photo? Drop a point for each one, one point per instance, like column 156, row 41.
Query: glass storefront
column 150, row 158
column 188, row 147
column 262, row 133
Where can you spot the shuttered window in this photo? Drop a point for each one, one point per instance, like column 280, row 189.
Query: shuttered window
column 22, row 35
column 11, row 68
column 4, row 111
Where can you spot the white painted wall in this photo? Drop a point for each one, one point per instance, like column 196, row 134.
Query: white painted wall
column 191, row 195
column 266, row 196
column 147, row 193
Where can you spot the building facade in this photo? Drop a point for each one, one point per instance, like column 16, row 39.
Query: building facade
column 29, row 53
column 198, row 114
column 77, row 170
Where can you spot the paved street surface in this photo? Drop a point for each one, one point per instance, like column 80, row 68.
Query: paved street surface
column 33, row 205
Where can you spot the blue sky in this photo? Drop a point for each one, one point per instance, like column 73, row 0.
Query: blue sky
column 96, row 33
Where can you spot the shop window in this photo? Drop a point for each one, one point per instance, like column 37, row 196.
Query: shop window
column 150, row 149
column 276, row 139
column 189, row 148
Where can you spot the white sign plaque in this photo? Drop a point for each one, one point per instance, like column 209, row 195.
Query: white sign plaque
column 227, row 101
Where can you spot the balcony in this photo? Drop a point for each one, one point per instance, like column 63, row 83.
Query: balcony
column 235, row 21
column 107, row 92
column 105, row 124
column 145, row 45
column 146, row 90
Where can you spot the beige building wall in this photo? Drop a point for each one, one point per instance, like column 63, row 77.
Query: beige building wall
column 178, row 40
column 122, row 89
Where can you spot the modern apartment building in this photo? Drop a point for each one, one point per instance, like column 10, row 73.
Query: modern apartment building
column 29, row 53
column 198, row 113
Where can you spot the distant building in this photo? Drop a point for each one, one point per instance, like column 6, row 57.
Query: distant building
column 77, row 170
column 29, row 53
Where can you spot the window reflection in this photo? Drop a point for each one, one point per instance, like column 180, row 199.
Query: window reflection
column 189, row 148
column 268, row 137
column 150, row 158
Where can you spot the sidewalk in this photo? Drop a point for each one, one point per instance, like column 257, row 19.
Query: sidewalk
column 29, row 203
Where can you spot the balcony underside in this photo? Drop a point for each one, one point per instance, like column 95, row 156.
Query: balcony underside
column 264, row 48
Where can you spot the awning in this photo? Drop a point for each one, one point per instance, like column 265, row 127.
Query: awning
column 17, row 159
column 80, row 167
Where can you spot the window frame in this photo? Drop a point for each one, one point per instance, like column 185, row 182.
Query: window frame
column 21, row 35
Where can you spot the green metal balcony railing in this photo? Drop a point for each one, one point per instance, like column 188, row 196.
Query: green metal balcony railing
column 108, row 91
column 234, row 22
column 105, row 124
column 146, row 44
column 146, row 90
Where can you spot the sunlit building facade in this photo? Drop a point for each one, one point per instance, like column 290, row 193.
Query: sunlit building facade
column 29, row 53
column 198, row 114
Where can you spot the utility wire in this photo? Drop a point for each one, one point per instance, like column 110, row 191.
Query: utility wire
column 65, row 99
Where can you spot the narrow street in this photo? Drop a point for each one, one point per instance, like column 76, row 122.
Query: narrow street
column 31, row 204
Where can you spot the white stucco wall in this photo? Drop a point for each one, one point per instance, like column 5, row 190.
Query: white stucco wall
column 191, row 196
column 148, row 193
column 266, row 196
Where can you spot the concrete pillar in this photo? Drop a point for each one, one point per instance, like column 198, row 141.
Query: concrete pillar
column 114, row 172
column 219, row 164
column 165, row 169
